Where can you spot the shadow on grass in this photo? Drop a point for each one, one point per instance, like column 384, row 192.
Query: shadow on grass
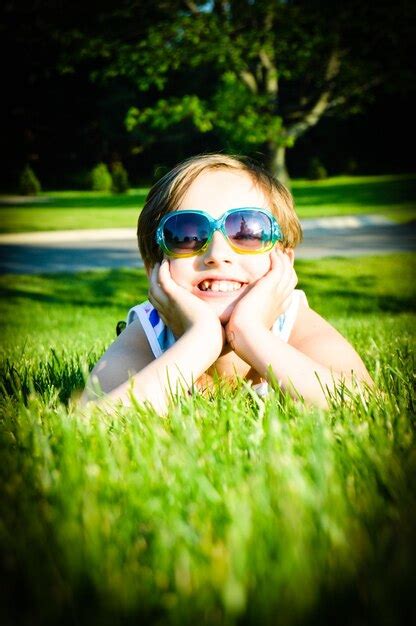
column 83, row 200
column 340, row 286
column 378, row 193
column 334, row 287
column 349, row 302
column 360, row 295
column 98, row 289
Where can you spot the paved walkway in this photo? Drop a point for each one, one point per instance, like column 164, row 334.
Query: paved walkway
column 73, row 251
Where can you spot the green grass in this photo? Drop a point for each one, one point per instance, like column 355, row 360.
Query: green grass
column 71, row 210
column 229, row 511
column 392, row 196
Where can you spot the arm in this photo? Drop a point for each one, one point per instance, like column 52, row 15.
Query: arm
column 152, row 380
column 317, row 356
column 309, row 364
column 128, row 368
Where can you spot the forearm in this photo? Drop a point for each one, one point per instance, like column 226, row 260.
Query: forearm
column 175, row 371
column 295, row 371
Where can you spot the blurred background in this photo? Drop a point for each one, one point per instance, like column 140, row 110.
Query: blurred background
column 232, row 511
column 309, row 88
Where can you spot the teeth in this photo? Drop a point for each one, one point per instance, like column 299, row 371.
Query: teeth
column 219, row 285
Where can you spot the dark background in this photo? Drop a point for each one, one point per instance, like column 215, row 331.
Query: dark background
column 62, row 124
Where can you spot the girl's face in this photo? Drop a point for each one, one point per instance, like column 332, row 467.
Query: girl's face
column 220, row 276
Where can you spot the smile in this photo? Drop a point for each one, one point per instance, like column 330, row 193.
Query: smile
column 220, row 286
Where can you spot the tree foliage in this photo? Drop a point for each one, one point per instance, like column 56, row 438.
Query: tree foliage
column 249, row 76
column 258, row 73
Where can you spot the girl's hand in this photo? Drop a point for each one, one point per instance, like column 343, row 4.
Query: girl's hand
column 267, row 299
column 179, row 309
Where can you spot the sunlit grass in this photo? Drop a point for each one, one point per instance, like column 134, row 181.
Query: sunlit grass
column 77, row 310
column 392, row 196
column 72, row 210
column 232, row 510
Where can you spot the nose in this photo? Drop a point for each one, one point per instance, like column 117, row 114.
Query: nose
column 218, row 251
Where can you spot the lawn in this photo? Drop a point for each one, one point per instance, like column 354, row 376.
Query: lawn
column 232, row 510
column 392, row 196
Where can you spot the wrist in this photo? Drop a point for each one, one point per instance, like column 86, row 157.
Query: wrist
column 244, row 338
column 207, row 335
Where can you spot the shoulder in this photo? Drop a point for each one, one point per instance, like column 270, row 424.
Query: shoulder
column 127, row 355
column 309, row 324
column 318, row 339
column 133, row 340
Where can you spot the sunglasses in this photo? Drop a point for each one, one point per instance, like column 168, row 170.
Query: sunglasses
column 188, row 233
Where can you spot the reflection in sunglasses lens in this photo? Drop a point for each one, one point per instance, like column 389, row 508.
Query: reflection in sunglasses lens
column 186, row 232
column 249, row 230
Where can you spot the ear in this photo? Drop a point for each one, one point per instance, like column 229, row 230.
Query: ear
column 291, row 254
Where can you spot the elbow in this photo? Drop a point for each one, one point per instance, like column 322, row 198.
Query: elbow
column 94, row 390
column 361, row 379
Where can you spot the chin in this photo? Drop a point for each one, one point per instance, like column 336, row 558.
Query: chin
column 224, row 311
column 225, row 317
column 223, row 306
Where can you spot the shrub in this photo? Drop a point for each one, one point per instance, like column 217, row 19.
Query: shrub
column 100, row 178
column 351, row 166
column 316, row 169
column 120, row 178
column 29, row 184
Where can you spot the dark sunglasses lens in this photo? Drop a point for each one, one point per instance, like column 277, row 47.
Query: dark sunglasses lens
column 185, row 232
column 249, row 230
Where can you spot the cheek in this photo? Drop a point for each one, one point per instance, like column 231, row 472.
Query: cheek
column 258, row 266
column 180, row 269
column 175, row 270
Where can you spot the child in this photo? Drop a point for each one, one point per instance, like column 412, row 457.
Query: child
column 217, row 237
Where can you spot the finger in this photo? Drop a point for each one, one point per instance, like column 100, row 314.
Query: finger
column 157, row 284
column 153, row 279
column 275, row 272
column 156, row 293
column 288, row 281
column 277, row 258
column 294, row 278
column 281, row 279
column 287, row 269
column 165, row 278
column 287, row 287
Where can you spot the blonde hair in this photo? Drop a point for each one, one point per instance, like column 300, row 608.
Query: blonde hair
column 167, row 193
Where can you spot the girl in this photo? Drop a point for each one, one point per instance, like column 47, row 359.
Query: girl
column 217, row 237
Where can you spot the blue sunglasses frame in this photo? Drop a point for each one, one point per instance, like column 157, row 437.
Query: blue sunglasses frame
column 218, row 224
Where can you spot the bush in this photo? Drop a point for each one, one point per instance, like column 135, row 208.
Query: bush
column 120, row 178
column 351, row 167
column 100, row 178
column 316, row 169
column 29, row 184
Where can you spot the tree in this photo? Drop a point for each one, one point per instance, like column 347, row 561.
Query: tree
column 260, row 73
column 252, row 76
column 52, row 114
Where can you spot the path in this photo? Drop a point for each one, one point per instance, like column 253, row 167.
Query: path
column 73, row 251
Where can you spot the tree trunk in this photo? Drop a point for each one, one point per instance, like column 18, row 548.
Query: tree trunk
column 276, row 162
